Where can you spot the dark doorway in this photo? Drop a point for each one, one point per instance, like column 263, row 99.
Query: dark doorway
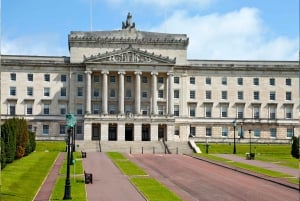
column 129, row 132
column 96, row 132
column 112, row 132
column 145, row 133
column 161, row 132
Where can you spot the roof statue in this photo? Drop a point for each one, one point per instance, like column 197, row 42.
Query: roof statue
column 127, row 24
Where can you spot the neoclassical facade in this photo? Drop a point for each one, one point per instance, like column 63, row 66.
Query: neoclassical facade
column 130, row 85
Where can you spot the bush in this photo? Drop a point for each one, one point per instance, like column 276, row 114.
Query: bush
column 9, row 134
column 295, row 147
column 3, row 155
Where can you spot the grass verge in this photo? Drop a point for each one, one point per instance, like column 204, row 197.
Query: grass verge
column 149, row 187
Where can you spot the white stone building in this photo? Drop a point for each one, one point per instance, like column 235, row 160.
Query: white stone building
column 130, row 85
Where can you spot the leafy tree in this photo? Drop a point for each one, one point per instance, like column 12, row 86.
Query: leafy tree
column 9, row 134
column 31, row 143
column 22, row 137
column 3, row 155
column 295, row 147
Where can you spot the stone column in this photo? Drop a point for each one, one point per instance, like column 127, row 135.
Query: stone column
column 88, row 92
column 121, row 91
column 121, row 131
column 137, row 132
column 137, row 92
column 104, row 91
column 154, row 132
column 104, row 131
column 170, row 93
column 87, row 131
column 154, row 92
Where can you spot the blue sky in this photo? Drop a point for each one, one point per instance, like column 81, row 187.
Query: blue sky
column 218, row 29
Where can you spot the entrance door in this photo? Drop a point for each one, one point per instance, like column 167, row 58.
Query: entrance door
column 95, row 132
column 145, row 133
column 161, row 132
column 129, row 132
column 112, row 133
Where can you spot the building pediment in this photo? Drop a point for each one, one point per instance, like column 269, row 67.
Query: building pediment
column 129, row 55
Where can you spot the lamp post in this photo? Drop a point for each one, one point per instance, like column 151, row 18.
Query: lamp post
column 234, row 126
column 242, row 133
column 250, row 140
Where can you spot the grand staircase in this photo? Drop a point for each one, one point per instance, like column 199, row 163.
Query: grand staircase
column 134, row 147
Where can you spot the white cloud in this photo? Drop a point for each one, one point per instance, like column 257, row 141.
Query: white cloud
column 43, row 45
column 238, row 34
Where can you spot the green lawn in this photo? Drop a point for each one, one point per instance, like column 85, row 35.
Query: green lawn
column 22, row 178
column 149, row 187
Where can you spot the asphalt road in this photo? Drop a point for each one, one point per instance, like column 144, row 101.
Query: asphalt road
column 194, row 179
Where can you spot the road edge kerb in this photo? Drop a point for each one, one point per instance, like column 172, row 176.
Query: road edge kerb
column 50, row 169
column 257, row 175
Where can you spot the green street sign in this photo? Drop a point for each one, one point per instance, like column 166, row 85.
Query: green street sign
column 71, row 120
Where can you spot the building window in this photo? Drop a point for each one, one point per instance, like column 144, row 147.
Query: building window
column 29, row 109
column 12, row 109
column 192, row 110
column 240, row 95
column 176, row 93
column 288, row 95
column 273, row 132
column 224, row 111
column 208, row 95
column 30, row 77
column 256, row 112
column 289, row 132
column 208, row 81
column 272, row 112
column 96, row 109
column 112, row 109
column 176, row 80
column 256, row 81
column 160, row 109
column 62, row 129
column 288, row 112
column 240, row 81
column 208, row 110
column 160, row 80
column 288, row 82
column 112, row 79
column 12, row 91
column 224, row 95
column 176, row 110
column 224, row 131
column 256, row 132
column 29, row 91
column 112, row 93
column 208, row 132
column 192, row 131
column 79, row 109
column 46, row 109
column 272, row 95
column 144, row 94
column 47, row 77
column 192, row 80
column 128, row 93
column 176, row 131
column 45, row 129
column 63, row 78
column 192, row 94
column 128, row 79
column 79, row 91
column 240, row 112
column 272, row 81
column 96, row 92
column 160, row 93
column 128, row 109
column 79, row 77
column 144, row 79
column 256, row 95
column 13, row 77
column 47, row 91
column 63, row 92
column 96, row 78
column 144, row 109
column 224, row 81
column 78, row 129
column 63, row 109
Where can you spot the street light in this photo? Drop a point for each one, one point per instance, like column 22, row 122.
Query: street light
column 250, row 140
column 234, row 126
column 242, row 133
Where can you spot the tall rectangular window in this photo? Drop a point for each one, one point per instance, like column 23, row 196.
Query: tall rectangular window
column 29, row 109
column 112, row 109
column 63, row 78
column 160, row 94
column 192, row 94
column 144, row 79
column 47, row 91
column 63, row 109
column 192, row 131
column 208, row 80
column 13, row 77
column 224, row 95
column 160, row 109
column 176, row 80
column 224, row 81
column 160, row 80
column 79, row 77
column 288, row 112
column 289, row 132
column 96, row 108
column 256, row 81
column 208, row 110
column 176, row 93
column 224, row 131
column 63, row 92
column 240, row 111
column 96, row 93
column 79, row 109
column 224, row 111
column 128, row 93
column 288, row 82
column 272, row 95
column 240, row 95
column 176, row 110
column 192, row 110
column 112, row 93
column 273, row 132
column 272, row 81
column 79, row 91
column 62, row 129
column 272, row 112
column 45, row 129
column 128, row 79
column 96, row 78
column 207, row 95
column 46, row 109
column 12, row 91
column 288, row 95
column 208, row 132
column 240, row 81
column 256, row 111
column 112, row 79
column 29, row 91
column 256, row 132
column 256, row 95
column 12, row 109
column 30, row 77
column 47, row 77
column 192, row 80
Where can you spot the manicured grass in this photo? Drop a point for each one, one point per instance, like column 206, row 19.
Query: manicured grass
column 149, row 187
column 153, row 190
column 279, row 154
column 59, row 146
column 22, row 178
column 77, row 181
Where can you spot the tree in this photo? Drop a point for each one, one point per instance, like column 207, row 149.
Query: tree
column 3, row 155
column 295, row 147
column 31, row 143
column 22, row 137
column 9, row 134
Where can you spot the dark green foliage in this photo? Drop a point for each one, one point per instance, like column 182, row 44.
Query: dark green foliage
column 3, row 155
column 31, row 143
column 295, row 147
column 22, row 137
column 9, row 133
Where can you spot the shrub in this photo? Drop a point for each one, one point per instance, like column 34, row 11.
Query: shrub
column 295, row 147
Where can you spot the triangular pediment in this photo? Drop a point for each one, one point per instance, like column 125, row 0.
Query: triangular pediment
column 129, row 55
